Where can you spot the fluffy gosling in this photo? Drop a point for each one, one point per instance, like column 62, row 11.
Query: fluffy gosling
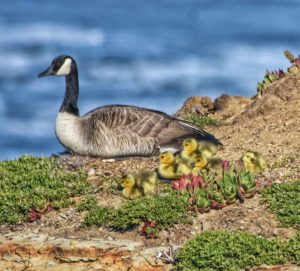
column 254, row 161
column 171, row 167
column 207, row 149
column 131, row 189
column 200, row 164
column 190, row 150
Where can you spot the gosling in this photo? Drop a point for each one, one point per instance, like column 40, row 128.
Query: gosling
column 254, row 162
column 172, row 168
column 131, row 188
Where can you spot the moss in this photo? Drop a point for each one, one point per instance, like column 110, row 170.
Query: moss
column 33, row 183
column 284, row 201
column 164, row 210
column 235, row 251
column 202, row 121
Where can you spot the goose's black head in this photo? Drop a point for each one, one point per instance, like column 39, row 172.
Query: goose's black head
column 61, row 66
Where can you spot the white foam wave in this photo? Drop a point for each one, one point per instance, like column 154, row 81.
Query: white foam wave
column 149, row 72
column 52, row 34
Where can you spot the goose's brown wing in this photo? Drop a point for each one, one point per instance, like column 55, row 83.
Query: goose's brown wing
column 146, row 123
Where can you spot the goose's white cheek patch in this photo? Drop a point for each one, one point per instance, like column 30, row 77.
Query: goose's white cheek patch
column 65, row 68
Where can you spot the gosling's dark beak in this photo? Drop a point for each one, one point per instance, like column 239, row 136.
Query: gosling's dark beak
column 49, row 71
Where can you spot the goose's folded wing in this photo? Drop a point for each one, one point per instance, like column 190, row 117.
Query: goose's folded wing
column 147, row 123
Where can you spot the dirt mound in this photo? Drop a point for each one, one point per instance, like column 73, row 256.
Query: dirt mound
column 269, row 123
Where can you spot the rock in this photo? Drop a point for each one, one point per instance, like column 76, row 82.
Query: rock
column 40, row 253
column 198, row 105
column 229, row 107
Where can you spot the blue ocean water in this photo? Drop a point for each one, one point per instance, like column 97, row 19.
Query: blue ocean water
column 150, row 53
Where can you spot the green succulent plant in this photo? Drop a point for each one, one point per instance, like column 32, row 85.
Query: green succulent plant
column 216, row 198
column 228, row 187
column 202, row 201
column 247, row 182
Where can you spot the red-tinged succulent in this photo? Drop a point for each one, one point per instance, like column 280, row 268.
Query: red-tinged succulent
column 149, row 229
column 180, row 184
column 226, row 165
column 189, row 183
column 34, row 215
column 216, row 205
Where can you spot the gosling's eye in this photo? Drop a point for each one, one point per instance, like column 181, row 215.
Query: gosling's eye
column 162, row 157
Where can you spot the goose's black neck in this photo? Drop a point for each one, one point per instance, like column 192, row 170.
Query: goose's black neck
column 69, row 104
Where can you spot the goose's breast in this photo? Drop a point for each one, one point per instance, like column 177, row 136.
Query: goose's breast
column 69, row 132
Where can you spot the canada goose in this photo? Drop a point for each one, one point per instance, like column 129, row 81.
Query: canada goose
column 254, row 161
column 114, row 130
column 171, row 167
column 131, row 188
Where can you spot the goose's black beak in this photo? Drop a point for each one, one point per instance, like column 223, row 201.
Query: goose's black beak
column 49, row 71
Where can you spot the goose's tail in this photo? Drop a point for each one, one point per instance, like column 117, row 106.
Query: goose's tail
column 179, row 130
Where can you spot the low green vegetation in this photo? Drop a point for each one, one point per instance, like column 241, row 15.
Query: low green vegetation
column 87, row 204
column 235, row 251
column 164, row 211
column 202, row 120
column 34, row 183
column 284, row 201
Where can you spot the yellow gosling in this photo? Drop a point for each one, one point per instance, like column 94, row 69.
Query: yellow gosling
column 171, row 167
column 200, row 164
column 207, row 149
column 131, row 189
column 254, row 161
column 190, row 150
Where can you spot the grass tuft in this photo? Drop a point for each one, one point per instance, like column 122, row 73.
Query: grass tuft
column 202, row 121
column 33, row 183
